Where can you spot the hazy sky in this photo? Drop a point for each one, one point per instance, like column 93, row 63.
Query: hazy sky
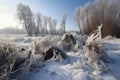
column 52, row 8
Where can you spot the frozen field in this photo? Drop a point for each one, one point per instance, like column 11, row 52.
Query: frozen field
column 72, row 68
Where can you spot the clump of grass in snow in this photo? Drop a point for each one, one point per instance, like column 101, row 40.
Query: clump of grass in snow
column 8, row 55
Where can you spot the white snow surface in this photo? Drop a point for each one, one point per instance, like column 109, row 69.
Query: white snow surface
column 72, row 68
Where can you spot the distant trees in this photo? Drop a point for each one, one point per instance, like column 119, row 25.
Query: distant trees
column 63, row 24
column 9, row 30
column 104, row 12
column 54, row 22
column 36, row 24
column 52, row 25
column 44, row 26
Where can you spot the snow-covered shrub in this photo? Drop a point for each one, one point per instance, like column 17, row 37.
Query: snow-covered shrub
column 67, row 42
column 95, row 55
column 92, row 59
column 12, row 59
column 8, row 55
column 22, row 66
column 44, row 49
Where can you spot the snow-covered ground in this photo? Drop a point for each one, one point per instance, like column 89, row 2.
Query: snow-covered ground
column 72, row 68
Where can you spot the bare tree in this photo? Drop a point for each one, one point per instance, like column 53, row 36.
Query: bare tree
column 52, row 25
column 63, row 22
column 25, row 16
column 54, row 22
column 44, row 26
column 38, row 21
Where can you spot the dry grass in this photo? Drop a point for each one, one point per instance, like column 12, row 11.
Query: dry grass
column 95, row 55
column 11, row 61
column 8, row 55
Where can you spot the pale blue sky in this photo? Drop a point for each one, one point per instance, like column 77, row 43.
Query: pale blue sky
column 52, row 8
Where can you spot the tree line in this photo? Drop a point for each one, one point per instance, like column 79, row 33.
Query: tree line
column 38, row 24
column 91, row 15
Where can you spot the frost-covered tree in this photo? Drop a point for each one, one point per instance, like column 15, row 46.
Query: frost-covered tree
column 44, row 25
column 54, row 22
column 84, row 17
column 38, row 22
column 63, row 23
column 25, row 16
column 52, row 25
column 99, row 12
column 77, row 18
